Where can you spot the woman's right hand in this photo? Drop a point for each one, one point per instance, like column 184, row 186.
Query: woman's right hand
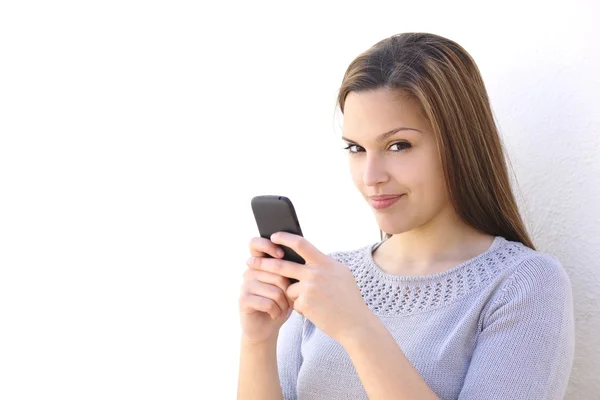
column 264, row 306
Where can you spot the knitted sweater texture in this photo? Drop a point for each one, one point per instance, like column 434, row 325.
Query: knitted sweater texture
column 499, row 326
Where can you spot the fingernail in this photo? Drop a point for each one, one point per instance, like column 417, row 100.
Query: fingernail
column 280, row 253
column 250, row 261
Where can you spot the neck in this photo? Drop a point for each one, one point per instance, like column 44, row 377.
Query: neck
column 432, row 248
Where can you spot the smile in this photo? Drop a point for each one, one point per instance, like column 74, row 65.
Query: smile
column 381, row 203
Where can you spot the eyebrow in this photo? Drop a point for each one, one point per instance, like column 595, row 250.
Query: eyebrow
column 386, row 135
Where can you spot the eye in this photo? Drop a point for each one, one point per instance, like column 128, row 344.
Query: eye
column 400, row 146
column 353, row 148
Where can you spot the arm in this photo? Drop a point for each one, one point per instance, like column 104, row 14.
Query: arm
column 382, row 367
column 269, row 371
column 258, row 372
column 526, row 345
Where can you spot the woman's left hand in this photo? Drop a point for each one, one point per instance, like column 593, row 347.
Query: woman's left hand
column 326, row 292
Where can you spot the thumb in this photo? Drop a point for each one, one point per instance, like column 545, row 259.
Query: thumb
column 300, row 245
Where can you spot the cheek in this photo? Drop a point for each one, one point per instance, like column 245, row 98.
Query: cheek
column 435, row 186
column 423, row 176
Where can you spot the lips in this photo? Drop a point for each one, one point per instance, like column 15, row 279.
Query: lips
column 379, row 202
column 384, row 196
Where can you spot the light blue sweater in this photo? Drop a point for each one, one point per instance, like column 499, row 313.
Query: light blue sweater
column 499, row 326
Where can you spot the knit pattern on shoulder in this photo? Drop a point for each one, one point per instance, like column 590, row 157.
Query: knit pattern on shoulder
column 390, row 295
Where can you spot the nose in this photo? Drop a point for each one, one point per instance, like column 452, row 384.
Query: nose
column 375, row 172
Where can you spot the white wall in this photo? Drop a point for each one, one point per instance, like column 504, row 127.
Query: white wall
column 133, row 135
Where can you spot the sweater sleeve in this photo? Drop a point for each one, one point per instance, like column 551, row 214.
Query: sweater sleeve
column 526, row 342
column 289, row 356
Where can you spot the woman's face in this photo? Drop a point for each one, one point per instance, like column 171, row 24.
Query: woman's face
column 405, row 163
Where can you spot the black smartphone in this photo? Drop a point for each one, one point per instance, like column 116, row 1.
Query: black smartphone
column 277, row 214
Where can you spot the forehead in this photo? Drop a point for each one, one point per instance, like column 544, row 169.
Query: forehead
column 376, row 111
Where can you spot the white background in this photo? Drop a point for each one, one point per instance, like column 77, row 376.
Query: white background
column 134, row 134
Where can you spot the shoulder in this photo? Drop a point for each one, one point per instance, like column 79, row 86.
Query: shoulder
column 352, row 257
column 538, row 271
column 535, row 278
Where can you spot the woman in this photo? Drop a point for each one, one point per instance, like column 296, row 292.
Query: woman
column 455, row 302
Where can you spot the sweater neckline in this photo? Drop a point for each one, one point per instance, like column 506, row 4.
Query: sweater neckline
column 497, row 243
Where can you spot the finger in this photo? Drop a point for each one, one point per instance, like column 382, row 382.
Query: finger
column 259, row 247
column 267, row 277
column 300, row 245
column 270, row 292
column 285, row 268
column 252, row 302
column 293, row 291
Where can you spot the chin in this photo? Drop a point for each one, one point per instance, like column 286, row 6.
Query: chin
column 392, row 226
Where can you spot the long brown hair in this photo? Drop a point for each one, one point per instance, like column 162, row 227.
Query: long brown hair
column 446, row 82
